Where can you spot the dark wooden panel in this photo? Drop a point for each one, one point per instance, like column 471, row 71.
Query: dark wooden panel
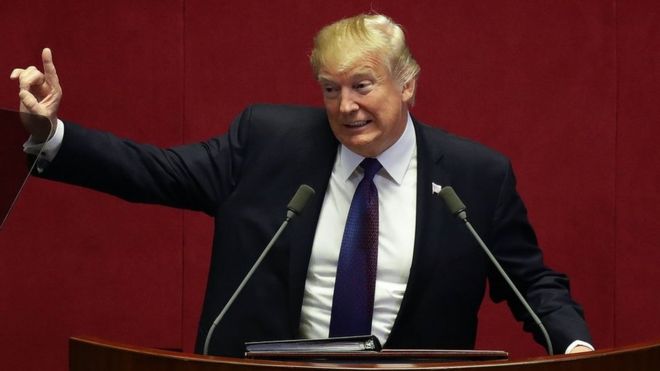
column 98, row 355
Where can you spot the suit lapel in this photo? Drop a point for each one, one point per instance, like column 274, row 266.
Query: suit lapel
column 431, row 218
column 317, row 169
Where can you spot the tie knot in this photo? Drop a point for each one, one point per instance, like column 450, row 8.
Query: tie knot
column 370, row 167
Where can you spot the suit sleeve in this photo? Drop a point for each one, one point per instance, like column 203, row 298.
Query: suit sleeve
column 197, row 176
column 514, row 243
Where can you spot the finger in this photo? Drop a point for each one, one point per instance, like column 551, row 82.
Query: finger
column 31, row 77
column 28, row 100
column 15, row 73
column 49, row 68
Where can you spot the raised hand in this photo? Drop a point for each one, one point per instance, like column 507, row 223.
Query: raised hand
column 39, row 93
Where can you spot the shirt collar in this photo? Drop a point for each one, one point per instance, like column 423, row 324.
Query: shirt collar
column 395, row 160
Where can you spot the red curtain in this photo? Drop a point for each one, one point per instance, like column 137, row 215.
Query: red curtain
column 569, row 90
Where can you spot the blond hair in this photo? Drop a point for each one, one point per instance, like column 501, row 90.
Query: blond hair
column 342, row 44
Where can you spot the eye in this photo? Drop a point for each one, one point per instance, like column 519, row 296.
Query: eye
column 364, row 86
column 329, row 91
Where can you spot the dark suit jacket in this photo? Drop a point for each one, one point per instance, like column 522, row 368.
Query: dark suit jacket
column 245, row 179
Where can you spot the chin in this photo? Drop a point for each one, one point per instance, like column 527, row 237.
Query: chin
column 359, row 147
column 366, row 151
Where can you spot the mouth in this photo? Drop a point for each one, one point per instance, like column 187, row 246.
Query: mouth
column 357, row 123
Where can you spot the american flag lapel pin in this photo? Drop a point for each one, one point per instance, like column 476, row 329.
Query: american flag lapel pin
column 435, row 188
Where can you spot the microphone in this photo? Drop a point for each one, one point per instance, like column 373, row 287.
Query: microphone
column 299, row 200
column 294, row 208
column 458, row 209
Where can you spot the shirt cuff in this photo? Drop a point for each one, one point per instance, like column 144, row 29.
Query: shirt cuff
column 46, row 151
column 576, row 343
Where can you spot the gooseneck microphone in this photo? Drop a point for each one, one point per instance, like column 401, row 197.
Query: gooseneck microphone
column 458, row 209
column 294, row 208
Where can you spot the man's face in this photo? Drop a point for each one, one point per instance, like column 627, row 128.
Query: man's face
column 366, row 108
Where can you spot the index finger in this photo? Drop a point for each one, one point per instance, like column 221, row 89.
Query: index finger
column 15, row 73
column 49, row 67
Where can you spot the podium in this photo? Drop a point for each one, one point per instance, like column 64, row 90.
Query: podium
column 91, row 354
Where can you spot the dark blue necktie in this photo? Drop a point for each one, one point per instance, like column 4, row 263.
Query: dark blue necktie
column 353, row 299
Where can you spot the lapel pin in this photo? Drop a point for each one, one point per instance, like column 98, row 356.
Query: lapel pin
column 435, row 188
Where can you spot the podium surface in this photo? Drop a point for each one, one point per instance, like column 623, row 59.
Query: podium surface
column 86, row 354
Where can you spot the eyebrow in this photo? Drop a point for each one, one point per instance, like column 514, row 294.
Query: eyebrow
column 324, row 80
column 364, row 75
column 363, row 70
column 360, row 74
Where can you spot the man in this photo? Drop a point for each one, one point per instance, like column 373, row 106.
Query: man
column 415, row 280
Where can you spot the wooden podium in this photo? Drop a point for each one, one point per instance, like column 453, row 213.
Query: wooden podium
column 90, row 354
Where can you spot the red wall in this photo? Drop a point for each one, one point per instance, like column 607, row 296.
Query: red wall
column 569, row 90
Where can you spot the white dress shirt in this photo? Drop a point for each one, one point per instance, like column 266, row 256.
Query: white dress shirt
column 397, row 195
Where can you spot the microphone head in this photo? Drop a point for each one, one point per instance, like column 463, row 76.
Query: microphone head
column 299, row 200
column 453, row 203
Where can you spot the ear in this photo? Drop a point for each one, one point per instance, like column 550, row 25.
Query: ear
column 408, row 93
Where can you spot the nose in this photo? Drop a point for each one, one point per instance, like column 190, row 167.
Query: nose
column 347, row 103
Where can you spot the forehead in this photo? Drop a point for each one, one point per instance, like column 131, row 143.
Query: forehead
column 362, row 70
